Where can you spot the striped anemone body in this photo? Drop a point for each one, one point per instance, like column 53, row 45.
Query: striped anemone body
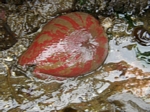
column 69, row 45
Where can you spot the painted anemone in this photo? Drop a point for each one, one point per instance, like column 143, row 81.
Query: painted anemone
column 69, row 45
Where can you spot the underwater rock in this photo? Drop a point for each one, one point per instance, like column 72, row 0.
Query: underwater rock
column 111, row 7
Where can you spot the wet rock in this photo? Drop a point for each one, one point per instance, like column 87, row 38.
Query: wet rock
column 126, row 6
column 16, row 2
column 29, row 17
column 129, row 103
column 110, row 7
column 7, row 37
column 146, row 20
column 69, row 110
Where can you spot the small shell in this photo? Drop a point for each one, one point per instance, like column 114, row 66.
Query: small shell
column 142, row 36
